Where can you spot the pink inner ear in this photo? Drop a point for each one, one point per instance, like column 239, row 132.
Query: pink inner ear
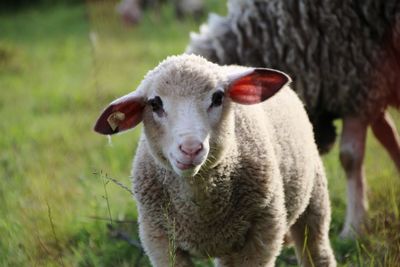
column 257, row 86
column 132, row 110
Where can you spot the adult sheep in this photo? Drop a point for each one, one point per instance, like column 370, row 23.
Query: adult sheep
column 216, row 175
column 344, row 58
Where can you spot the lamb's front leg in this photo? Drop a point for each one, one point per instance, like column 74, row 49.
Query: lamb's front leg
column 159, row 247
column 264, row 239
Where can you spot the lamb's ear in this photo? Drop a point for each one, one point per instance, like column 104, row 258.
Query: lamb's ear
column 122, row 114
column 253, row 86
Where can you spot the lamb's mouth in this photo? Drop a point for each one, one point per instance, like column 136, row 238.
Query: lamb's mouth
column 184, row 166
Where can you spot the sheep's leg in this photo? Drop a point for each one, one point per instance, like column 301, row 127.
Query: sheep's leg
column 310, row 232
column 352, row 149
column 161, row 250
column 385, row 131
column 264, row 240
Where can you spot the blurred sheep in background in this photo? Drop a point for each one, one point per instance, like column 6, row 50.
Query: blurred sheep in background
column 131, row 10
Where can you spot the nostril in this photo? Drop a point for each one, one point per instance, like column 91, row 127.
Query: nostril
column 191, row 149
column 183, row 150
column 199, row 148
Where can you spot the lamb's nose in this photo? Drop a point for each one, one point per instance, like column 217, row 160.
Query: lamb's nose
column 191, row 147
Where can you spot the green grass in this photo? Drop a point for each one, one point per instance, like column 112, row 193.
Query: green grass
column 56, row 200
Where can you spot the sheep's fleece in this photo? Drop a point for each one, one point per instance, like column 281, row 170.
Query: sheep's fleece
column 261, row 179
column 343, row 56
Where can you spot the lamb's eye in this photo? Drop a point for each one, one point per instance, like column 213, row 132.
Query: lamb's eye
column 156, row 104
column 217, row 98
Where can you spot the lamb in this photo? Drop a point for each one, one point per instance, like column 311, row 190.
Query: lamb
column 344, row 58
column 219, row 174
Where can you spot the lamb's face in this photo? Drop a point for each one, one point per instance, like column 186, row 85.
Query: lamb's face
column 183, row 113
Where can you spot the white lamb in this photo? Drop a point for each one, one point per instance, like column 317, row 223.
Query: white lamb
column 218, row 175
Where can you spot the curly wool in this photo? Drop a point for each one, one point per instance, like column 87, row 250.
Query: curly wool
column 343, row 56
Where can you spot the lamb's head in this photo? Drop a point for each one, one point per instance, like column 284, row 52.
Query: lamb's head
column 186, row 106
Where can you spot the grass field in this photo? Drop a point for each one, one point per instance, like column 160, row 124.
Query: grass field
column 59, row 66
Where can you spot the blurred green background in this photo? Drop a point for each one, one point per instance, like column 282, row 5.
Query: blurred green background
column 61, row 62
